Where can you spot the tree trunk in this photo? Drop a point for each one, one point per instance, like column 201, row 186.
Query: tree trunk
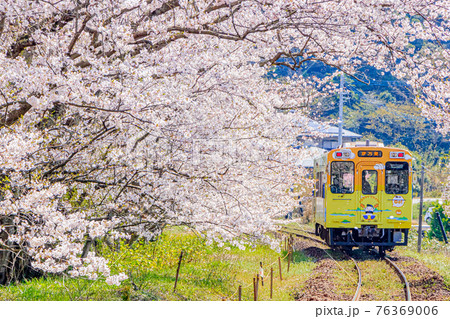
column 15, row 264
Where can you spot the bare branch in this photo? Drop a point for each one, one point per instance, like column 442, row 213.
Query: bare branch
column 78, row 33
column 13, row 116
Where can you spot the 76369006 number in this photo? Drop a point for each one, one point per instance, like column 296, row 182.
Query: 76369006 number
column 407, row 310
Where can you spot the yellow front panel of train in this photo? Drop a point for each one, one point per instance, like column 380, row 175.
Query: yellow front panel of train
column 363, row 190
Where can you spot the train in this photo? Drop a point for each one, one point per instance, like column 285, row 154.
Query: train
column 363, row 196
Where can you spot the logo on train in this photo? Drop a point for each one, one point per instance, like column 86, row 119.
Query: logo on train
column 369, row 215
column 398, row 201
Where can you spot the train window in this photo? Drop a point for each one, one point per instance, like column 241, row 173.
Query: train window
column 397, row 177
column 323, row 181
column 342, row 177
column 317, row 188
column 320, row 185
column 369, row 182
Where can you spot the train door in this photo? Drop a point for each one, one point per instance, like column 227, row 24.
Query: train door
column 369, row 195
column 341, row 195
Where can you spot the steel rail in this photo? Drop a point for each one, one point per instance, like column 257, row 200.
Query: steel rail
column 401, row 275
column 358, row 288
column 293, row 228
column 295, row 232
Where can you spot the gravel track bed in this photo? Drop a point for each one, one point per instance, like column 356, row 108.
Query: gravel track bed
column 425, row 283
column 320, row 286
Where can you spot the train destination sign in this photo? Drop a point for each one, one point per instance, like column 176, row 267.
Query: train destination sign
column 370, row 154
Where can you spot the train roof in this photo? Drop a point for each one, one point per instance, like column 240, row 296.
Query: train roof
column 362, row 144
column 367, row 144
column 363, row 149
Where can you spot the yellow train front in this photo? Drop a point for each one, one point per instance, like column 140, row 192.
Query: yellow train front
column 363, row 196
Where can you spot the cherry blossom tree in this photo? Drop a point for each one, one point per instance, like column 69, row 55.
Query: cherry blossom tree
column 121, row 117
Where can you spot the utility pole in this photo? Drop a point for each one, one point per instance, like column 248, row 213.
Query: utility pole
column 341, row 105
column 419, row 242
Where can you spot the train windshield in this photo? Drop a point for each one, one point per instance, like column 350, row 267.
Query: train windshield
column 369, row 182
column 397, row 175
column 342, row 177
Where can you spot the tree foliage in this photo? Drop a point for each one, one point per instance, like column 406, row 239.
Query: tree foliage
column 395, row 123
column 435, row 231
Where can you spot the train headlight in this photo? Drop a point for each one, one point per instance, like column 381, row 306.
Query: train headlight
column 343, row 154
column 397, row 154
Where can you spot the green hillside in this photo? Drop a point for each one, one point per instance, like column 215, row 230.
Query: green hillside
column 383, row 110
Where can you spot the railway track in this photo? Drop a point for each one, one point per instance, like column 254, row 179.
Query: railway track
column 301, row 233
column 402, row 277
column 357, row 294
column 309, row 236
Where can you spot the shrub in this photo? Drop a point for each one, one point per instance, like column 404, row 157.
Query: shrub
column 435, row 231
column 425, row 206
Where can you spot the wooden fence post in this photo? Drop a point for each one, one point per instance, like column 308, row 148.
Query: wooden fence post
column 261, row 273
column 178, row 271
column 271, row 282
column 292, row 255
column 257, row 286
column 254, row 289
column 240, row 293
column 279, row 266
column 289, row 259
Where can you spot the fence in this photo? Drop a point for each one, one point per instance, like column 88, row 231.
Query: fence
column 258, row 279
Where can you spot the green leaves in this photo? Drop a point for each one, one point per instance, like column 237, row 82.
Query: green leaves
column 158, row 255
column 435, row 231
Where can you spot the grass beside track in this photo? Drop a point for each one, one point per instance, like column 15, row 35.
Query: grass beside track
column 438, row 262
column 434, row 254
column 208, row 272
